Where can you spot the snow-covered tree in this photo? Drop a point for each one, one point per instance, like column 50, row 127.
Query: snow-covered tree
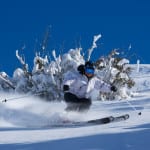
column 116, row 71
column 46, row 76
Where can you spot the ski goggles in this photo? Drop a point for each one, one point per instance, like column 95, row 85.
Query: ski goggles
column 89, row 70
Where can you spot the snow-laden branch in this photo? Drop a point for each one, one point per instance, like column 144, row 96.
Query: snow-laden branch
column 138, row 66
column 95, row 39
column 129, row 48
column 8, row 82
column 123, row 62
column 20, row 58
column 25, row 66
column 57, row 60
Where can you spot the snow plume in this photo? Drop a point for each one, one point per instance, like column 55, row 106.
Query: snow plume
column 29, row 111
column 95, row 39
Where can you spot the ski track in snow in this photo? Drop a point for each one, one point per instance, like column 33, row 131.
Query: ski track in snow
column 26, row 123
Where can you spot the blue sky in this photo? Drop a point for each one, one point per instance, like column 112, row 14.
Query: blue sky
column 73, row 22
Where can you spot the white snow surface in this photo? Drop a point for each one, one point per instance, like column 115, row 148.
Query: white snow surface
column 27, row 123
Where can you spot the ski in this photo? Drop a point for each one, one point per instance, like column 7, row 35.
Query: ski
column 108, row 119
column 100, row 121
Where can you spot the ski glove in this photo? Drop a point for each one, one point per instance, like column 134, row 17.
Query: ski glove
column 65, row 88
column 113, row 88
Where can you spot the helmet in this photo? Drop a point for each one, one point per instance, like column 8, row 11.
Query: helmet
column 87, row 68
column 89, row 64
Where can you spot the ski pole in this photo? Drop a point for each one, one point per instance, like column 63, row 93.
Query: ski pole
column 21, row 97
column 139, row 113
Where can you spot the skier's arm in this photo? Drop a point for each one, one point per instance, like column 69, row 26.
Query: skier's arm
column 105, row 87
column 67, row 84
column 65, row 88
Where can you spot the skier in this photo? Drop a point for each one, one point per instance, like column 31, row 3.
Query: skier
column 77, row 87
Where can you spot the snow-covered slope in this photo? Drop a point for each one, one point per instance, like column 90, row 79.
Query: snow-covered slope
column 26, row 123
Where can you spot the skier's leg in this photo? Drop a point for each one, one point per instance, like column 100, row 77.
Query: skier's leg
column 70, row 98
column 84, row 104
column 76, row 104
column 72, row 102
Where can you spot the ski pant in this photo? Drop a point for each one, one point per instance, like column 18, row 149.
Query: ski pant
column 76, row 104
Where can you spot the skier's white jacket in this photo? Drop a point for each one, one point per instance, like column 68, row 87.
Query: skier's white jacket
column 82, row 87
